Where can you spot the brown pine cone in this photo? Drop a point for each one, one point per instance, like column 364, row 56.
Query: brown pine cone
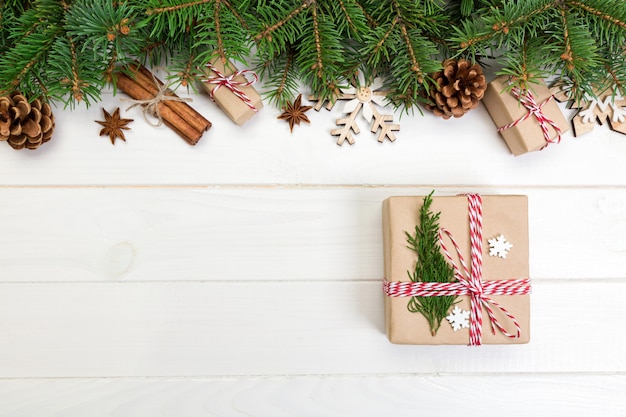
column 459, row 88
column 24, row 124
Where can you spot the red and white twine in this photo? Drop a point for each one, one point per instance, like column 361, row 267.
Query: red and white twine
column 468, row 283
column 527, row 99
column 229, row 82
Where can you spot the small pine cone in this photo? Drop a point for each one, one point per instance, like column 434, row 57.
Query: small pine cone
column 459, row 88
column 24, row 124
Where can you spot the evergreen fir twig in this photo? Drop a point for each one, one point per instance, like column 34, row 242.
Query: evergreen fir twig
column 284, row 82
column 317, row 34
column 578, row 40
column 402, row 46
column 431, row 266
column 66, row 50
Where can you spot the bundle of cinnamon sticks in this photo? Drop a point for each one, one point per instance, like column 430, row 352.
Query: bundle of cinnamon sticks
column 142, row 85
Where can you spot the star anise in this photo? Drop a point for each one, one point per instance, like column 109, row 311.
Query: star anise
column 294, row 113
column 114, row 125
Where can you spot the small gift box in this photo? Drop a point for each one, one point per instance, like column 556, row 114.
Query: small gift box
column 493, row 290
column 230, row 89
column 528, row 121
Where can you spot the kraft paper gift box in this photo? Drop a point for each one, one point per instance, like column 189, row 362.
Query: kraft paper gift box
column 234, row 107
column 502, row 215
column 505, row 108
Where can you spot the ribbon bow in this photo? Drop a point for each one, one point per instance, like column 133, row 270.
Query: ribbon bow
column 469, row 283
column 527, row 99
column 228, row 81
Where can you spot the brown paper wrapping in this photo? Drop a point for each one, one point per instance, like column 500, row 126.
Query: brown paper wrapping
column 506, row 215
column 505, row 108
column 235, row 108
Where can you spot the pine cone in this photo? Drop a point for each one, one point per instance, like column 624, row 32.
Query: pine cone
column 24, row 124
column 459, row 88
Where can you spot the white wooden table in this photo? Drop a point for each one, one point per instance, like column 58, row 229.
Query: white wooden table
column 241, row 277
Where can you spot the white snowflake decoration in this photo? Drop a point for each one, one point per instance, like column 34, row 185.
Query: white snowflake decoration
column 499, row 246
column 363, row 100
column 609, row 104
column 459, row 319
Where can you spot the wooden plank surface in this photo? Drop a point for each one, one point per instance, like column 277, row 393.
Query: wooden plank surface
column 281, row 328
column 181, row 234
column 241, row 276
column 366, row 396
column 428, row 151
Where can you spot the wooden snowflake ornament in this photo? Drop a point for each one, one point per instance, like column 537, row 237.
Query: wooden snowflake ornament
column 361, row 100
column 609, row 106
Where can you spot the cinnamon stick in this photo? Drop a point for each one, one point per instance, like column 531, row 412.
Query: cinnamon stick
column 170, row 117
column 146, row 79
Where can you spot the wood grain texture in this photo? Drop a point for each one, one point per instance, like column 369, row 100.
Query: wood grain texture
column 281, row 328
column 365, row 396
column 292, row 234
column 428, row 151
column 241, row 276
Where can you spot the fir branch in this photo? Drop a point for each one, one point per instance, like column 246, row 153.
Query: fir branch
column 218, row 33
column 235, row 13
column 267, row 33
column 379, row 52
column 282, row 87
column 431, row 266
column 75, row 82
column 567, row 55
column 319, row 65
column 415, row 66
column 371, row 22
column 351, row 25
column 602, row 15
column 580, row 61
column 316, row 33
column 616, row 70
column 33, row 37
column 524, row 63
column 176, row 7
column 317, row 43
column 320, row 55
column 401, row 46
column 577, row 40
column 496, row 22
column 282, row 75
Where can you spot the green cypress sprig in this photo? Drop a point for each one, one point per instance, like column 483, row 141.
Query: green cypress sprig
column 431, row 266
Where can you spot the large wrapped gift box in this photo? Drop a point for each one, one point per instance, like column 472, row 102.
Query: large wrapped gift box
column 505, row 215
column 505, row 108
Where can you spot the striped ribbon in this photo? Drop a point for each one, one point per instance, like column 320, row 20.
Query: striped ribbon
column 528, row 101
column 229, row 82
column 468, row 283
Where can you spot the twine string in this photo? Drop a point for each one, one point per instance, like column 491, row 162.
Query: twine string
column 469, row 282
column 151, row 106
column 527, row 99
column 229, row 81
